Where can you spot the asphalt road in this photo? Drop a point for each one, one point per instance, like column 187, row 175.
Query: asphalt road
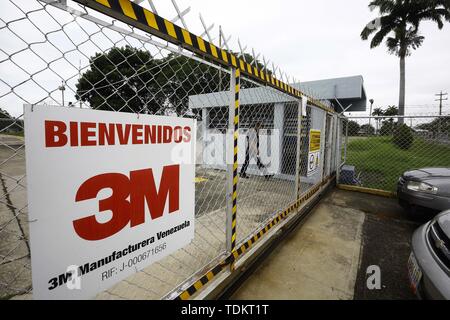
column 386, row 241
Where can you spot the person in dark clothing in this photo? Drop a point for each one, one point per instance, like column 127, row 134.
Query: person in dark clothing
column 252, row 152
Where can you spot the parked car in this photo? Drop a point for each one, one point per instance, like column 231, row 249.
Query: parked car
column 429, row 262
column 427, row 188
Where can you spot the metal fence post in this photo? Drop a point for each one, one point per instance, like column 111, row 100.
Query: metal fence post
column 299, row 149
column 323, row 147
column 337, row 145
column 232, row 161
column 346, row 142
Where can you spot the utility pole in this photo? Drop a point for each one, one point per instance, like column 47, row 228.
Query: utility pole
column 441, row 98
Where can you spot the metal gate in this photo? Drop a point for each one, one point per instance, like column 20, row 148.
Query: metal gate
column 121, row 56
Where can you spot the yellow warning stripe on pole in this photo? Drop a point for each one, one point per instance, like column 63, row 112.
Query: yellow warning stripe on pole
column 235, row 159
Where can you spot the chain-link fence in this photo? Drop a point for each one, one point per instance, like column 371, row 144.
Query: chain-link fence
column 63, row 54
column 342, row 141
column 267, row 161
column 52, row 57
column 380, row 149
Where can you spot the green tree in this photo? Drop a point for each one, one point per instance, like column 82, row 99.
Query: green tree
column 179, row 77
column 398, row 24
column 353, row 128
column 378, row 112
column 367, row 129
column 4, row 114
column 388, row 126
column 403, row 137
column 118, row 80
column 131, row 80
column 9, row 124
column 4, row 120
column 439, row 125
column 391, row 111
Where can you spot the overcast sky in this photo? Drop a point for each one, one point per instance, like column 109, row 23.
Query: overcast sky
column 309, row 40
column 321, row 39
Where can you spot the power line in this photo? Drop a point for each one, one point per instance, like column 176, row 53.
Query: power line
column 424, row 105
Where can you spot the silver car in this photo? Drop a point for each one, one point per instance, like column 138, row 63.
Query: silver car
column 429, row 262
column 427, row 188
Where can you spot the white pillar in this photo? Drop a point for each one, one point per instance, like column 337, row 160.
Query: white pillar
column 278, row 119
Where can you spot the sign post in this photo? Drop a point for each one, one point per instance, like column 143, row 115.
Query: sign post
column 109, row 194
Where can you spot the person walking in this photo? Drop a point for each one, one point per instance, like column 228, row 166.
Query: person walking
column 252, row 152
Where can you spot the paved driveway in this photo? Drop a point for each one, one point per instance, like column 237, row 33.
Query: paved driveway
column 327, row 257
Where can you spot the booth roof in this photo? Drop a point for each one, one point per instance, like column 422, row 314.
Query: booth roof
column 348, row 90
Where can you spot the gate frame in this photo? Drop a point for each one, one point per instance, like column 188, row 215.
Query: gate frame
column 136, row 16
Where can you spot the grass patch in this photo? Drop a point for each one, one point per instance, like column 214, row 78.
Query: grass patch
column 381, row 163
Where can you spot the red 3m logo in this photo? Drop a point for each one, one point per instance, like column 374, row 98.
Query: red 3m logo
column 127, row 202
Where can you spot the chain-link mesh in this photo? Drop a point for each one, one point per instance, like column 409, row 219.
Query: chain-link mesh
column 312, row 173
column 52, row 57
column 70, row 56
column 381, row 149
column 342, row 138
column 267, row 155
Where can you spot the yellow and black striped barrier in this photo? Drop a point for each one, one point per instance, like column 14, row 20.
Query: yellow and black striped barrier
column 235, row 159
column 188, row 293
column 145, row 20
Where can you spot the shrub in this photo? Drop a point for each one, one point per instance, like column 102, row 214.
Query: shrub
column 403, row 137
column 367, row 129
column 388, row 128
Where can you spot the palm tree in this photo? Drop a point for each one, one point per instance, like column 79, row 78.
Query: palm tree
column 399, row 23
column 377, row 112
column 391, row 111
